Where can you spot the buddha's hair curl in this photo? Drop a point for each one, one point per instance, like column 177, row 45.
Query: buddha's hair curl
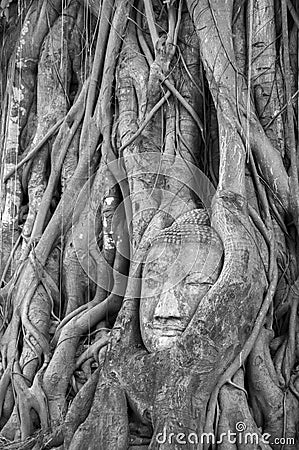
column 193, row 226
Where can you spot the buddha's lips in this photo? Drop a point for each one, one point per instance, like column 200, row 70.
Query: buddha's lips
column 167, row 329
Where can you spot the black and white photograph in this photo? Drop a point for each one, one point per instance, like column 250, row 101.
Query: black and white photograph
column 149, row 224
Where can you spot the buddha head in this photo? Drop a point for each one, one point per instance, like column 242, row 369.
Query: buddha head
column 183, row 263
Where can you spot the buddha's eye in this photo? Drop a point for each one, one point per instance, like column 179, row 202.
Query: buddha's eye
column 192, row 283
column 152, row 283
column 193, row 280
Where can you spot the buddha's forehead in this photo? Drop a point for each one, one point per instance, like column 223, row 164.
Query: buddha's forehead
column 188, row 241
column 172, row 256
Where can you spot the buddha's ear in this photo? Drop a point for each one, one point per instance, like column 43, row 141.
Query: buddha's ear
column 141, row 269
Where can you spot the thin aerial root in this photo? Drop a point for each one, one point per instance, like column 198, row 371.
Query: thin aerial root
column 34, row 151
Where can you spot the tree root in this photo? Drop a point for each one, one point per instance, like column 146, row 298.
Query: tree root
column 270, row 401
column 59, row 151
column 92, row 351
column 36, row 149
column 234, row 410
column 242, row 356
column 27, row 399
column 80, row 408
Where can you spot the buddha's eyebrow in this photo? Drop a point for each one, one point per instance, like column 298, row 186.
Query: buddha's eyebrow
column 203, row 279
column 153, row 269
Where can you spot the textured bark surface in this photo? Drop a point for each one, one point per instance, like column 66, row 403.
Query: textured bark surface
column 118, row 118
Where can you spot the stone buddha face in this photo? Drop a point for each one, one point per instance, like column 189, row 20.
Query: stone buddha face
column 183, row 263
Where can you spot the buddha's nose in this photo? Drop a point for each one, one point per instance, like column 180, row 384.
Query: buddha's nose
column 168, row 306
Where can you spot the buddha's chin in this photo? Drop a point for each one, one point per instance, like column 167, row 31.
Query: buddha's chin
column 164, row 339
